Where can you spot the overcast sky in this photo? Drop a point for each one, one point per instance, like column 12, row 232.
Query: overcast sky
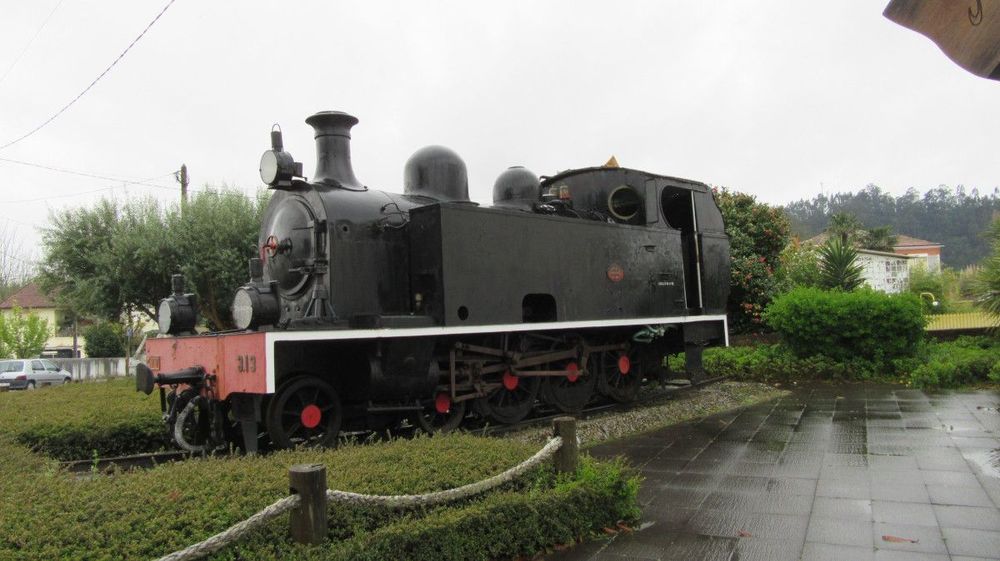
column 780, row 99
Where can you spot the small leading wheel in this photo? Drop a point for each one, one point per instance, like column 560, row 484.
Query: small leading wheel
column 442, row 415
column 571, row 393
column 510, row 402
column 305, row 411
column 620, row 374
column 191, row 424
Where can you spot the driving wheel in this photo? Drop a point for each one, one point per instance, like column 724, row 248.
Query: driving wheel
column 572, row 392
column 620, row 374
column 510, row 402
column 440, row 415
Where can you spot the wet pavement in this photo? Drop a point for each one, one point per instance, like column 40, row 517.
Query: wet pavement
column 829, row 473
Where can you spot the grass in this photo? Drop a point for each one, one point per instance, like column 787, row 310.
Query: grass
column 48, row 513
column 78, row 421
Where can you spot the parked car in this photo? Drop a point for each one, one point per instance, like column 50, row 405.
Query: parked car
column 31, row 373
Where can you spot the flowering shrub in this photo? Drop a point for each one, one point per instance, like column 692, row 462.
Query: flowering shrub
column 757, row 235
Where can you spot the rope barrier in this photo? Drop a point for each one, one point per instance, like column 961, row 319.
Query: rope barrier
column 226, row 537
column 438, row 497
column 281, row 506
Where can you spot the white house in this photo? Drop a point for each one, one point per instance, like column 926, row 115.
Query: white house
column 888, row 272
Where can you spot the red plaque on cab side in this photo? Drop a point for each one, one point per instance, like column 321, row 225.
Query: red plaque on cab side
column 616, row 273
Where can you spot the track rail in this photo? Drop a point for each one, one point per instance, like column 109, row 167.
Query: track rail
column 150, row 460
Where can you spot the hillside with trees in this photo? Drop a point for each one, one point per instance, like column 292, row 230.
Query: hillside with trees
column 954, row 217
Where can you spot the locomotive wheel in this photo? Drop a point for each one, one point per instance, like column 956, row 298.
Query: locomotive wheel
column 511, row 402
column 570, row 394
column 305, row 411
column 192, row 430
column 620, row 375
column 433, row 421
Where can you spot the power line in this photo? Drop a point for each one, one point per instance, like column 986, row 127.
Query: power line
column 73, row 172
column 87, row 89
column 123, row 184
column 32, row 40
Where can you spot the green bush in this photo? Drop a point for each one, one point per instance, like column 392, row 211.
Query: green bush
column 104, row 339
column 967, row 360
column 772, row 363
column 76, row 421
column 48, row 514
column 848, row 326
column 933, row 364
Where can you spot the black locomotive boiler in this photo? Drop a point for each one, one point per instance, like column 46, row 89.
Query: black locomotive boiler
column 366, row 306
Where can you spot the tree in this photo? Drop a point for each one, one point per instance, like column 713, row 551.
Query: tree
column 879, row 239
column 988, row 281
column 103, row 339
column 114, row 259
column 844, row 226
column 22, row 335
column 951, row 216
column 15, row 269
column 838, row 266
column 216, row 234
column 798, row 267
column 757, row 235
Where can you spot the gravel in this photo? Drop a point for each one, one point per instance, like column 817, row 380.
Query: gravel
column 658, row 411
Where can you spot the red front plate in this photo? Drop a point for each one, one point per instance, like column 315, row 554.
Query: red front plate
column 237, row 360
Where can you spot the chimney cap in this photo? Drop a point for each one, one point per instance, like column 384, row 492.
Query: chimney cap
column 332, row 122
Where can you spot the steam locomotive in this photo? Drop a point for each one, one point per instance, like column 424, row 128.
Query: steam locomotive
column 365, row 307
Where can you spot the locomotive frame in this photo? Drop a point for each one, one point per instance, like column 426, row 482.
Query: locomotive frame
column 365, row 306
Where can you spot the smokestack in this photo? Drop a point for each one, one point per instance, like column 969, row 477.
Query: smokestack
column 333, row 149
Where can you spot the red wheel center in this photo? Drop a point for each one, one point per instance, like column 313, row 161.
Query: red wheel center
column 624, row 364
column 442, row 403
column 574, row 372
column 510, row 381
column 310, row 416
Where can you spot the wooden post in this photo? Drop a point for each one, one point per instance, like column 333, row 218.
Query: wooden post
column 566, row 457
column 308, row 521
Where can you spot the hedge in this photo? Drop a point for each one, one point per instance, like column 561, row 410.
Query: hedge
column 933, row 364
column 775, row 363
column 77, row 421
column 844, row 326
column 967, row 360
column 48, row 514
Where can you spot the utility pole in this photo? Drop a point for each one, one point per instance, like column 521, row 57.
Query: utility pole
column 182, row 177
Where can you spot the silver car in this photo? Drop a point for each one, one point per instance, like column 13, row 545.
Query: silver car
column 29, row 374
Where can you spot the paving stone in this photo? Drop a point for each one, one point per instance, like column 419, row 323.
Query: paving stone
column 839, row 531
column 925, row 539
column 897, row 555
column 831, row 552
column 903, row 491
column 950, row 478
column 975, row 543
column 843, row 509
column 686, row 547
column 958, row 496
column 971, row 517
column 843, row 489
column 912, row 514
column 758, row 549
column 822, row 474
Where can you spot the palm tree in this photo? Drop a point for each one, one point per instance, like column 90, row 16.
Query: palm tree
column 843, row 225
column 879, row 239
column 988, row 280
column 838, row 266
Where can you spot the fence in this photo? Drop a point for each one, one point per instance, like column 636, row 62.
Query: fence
column 307, row 506
column 91, row 368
